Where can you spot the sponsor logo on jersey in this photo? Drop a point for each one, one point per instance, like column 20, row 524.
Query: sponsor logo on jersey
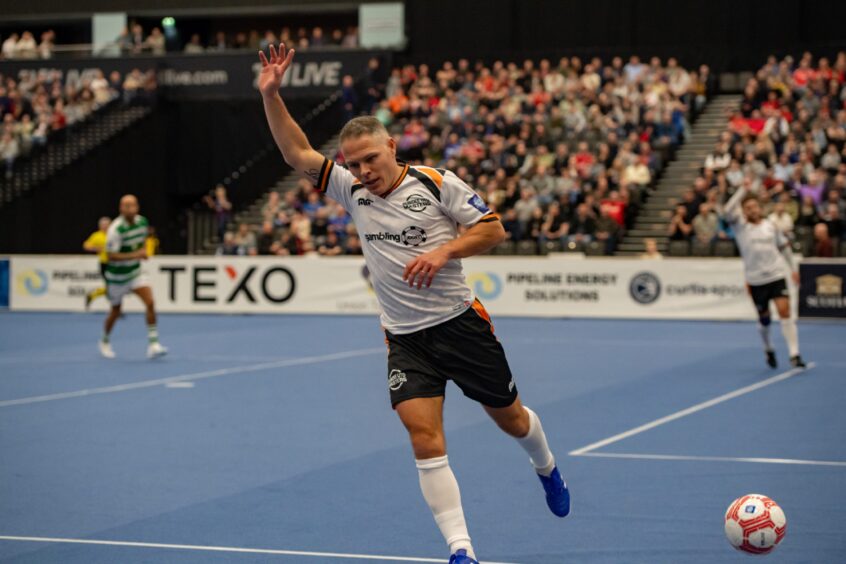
column 478, row 203
column 396, row 379
column 645, row 288
column 383, row 236
column 413, row 236
column 365, row 202
column 416, row 203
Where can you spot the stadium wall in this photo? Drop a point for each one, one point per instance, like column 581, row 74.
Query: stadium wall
column 702, row 289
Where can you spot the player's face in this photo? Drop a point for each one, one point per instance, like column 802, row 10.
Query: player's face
column 128, row 207
column 104, row 224
column 752, row 211
column 372, row 159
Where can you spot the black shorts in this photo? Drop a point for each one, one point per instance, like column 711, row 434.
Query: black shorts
column 762, row 294
column 463, row 349
column 103, row 271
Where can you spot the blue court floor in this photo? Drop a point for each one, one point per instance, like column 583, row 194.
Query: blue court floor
column 271, row 439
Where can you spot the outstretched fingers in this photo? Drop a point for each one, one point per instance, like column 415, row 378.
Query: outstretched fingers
column 263, row 59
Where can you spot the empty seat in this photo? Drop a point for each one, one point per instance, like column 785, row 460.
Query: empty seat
column 700, row 249
column 551, row 247
column 679, row 249
column 725, row 249
column 527, row 248
column 595, row 249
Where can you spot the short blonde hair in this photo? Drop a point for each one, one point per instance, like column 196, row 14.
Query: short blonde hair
column 362, row 125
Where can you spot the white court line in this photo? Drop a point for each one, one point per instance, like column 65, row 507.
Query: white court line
column 693, row 409
column 193, row 376
column 230, row 549
column 714, row 458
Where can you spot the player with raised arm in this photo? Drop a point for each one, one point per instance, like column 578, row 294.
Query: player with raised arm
column 765, row 250
column 407, row 218
column 125, row 246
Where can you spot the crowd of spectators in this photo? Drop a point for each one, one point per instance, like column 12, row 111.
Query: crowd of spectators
column 24, row 46
column 36, row 107
column 300, row 38
column 566, row 153
column 786, row 143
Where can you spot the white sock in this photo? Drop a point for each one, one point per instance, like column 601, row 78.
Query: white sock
column 440, row 490
column 791, row 335
column 534, row 443
column 764, row 330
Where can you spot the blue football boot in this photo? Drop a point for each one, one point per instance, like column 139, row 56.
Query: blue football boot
column 460, row 557
column 557, row 494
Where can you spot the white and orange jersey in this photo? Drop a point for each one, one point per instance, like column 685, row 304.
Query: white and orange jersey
column 419, row 213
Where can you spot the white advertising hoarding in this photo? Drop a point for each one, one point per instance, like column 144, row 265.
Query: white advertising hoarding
column 534, row 287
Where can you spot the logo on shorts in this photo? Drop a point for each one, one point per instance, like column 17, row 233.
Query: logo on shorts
column 478, row 203
column 396, row 379
column 645, row 288
column 416, row 203
column 413, row 236
column 511, row 386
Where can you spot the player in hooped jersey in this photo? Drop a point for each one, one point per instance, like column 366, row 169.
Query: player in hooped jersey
column 765, row 250
column 436, row 330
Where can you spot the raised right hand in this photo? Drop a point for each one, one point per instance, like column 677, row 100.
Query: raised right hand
column 272, row 71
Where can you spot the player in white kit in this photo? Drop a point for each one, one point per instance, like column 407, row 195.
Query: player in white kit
column 765, row 251
column 407, row 218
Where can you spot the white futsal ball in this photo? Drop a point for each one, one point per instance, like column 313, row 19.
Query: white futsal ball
column 755, row 524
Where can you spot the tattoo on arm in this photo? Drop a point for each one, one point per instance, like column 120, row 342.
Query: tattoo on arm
column 313, row 173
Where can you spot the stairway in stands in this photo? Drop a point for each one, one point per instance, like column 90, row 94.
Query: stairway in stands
column 252, row 213
column 654, row 217
column 76, row 143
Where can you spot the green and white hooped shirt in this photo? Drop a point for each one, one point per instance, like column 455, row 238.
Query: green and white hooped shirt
column 123, row 237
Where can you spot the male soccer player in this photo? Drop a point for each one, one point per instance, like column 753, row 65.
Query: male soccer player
column 765, row 250
column 407, row 218
column 96, row 243
column 125, row 249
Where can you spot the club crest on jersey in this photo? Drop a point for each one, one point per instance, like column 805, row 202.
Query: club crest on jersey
column 413, row 236
column 478, row 203
column 416, row 203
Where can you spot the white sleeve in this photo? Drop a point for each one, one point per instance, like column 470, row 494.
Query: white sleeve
column 336, row 182
column 462, row 204
column 731, row 211
column 113, row 241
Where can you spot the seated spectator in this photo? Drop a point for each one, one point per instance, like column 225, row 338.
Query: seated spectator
column 651, row 250
column 266, row 239
column 194, row 46
column 719, row 159
column 286, row 245
column 781, row 219
column 245, row 240
column 680, row 227
column 607, row 231
column 155, row 43
column 9, row 151
column 353, row 246
column 10, row 45
column 229, row 247
column 833, row 221
column 615, row 207
column 26, row 47
column 705, row 224
column 808, row 216
column 582, row 226
column 272, row 207
column 823, row 245
column 331, row 247
column 45, row 48
column 637, row 173
column 513, row 229
column 554, row 228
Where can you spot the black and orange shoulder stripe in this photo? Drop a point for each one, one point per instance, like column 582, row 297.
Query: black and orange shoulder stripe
column 323, row 176
column 405, row 171
column 489, row 218
column 429, row 178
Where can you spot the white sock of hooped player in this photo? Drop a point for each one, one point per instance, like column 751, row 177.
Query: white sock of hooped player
column 791, row 335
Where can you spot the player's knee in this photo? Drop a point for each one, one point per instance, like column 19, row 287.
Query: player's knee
column 764, row 318
column 427, row 443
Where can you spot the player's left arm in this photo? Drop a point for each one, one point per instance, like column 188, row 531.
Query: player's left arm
column 784, row 248
column 485, row 231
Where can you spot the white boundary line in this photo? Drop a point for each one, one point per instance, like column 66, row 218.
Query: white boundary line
column 714, row 459
column 192, row 376
column 228, row 549
column 692, row 409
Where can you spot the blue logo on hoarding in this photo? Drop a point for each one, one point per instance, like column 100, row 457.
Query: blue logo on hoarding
column 32, row 282
column 486, row 285
column 645, row 288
